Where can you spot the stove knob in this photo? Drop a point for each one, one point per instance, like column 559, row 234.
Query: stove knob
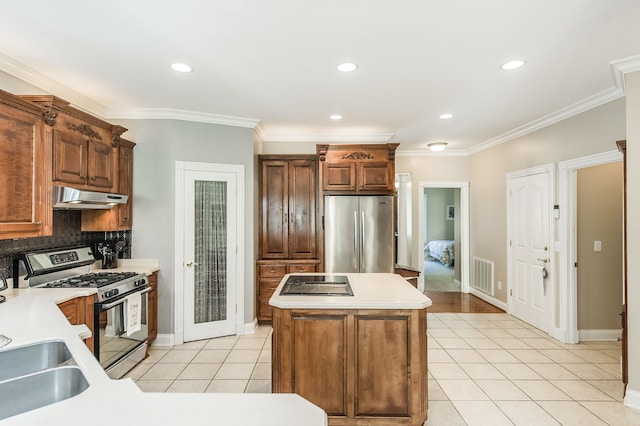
column 115, row 292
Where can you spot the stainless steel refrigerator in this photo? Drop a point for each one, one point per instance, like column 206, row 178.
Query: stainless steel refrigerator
column 358, row 233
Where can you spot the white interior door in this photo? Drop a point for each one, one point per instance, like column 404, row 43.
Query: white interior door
column 529, row 217
column 210, row 258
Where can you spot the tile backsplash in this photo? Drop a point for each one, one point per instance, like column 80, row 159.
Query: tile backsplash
column 66, row 233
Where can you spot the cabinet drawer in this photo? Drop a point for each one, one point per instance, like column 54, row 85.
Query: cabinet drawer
column 272, row 271
column 265, row 311
column 267, row 287
column 301, row 267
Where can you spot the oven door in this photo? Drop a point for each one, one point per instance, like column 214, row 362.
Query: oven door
column 117, row 349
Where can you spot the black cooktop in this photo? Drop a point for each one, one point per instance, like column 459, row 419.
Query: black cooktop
column 317, row 285
column 94, row 279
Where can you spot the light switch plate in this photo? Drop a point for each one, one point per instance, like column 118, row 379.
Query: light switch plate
column 597, row 246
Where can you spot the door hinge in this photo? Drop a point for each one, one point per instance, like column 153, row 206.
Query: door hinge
column 575, row 264
column 510, row 292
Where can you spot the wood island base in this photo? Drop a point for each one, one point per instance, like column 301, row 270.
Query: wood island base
column 362, row 366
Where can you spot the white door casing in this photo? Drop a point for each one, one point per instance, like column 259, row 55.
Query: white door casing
column 186, row 176
column 463, row 214
column 530, row 253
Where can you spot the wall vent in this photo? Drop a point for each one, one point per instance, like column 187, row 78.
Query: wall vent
column 483, row 275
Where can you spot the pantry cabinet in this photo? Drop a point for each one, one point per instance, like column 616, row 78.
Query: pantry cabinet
column 25, row 172
column 357, row 169
column 288, row 207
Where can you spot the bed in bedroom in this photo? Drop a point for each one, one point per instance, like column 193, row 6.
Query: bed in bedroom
column 440, row 250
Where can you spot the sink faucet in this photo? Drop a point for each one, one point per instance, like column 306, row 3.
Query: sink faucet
column 4, row 340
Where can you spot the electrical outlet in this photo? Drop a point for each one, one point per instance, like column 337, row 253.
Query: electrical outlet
column 597, row 246
column 499, row 285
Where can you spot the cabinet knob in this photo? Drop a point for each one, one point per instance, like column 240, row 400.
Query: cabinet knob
column 69, row 317
column 39, row 223
column 83, row 177
column 94, row 178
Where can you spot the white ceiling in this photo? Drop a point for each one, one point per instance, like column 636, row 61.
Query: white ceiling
column 273, row 62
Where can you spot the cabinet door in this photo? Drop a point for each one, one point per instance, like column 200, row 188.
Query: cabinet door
column 69, row 158
column 126, row 186
column 275, row 209
column 152, row 307
column 302, row 209
column 375, row 177
column 101, row 166
column 339, row 176
column 23, row 186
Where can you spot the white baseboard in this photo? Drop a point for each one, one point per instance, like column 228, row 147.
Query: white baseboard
column 489, row 299
column 604, row 335
column 632, row 399
column 164, row 340
column 250, row 327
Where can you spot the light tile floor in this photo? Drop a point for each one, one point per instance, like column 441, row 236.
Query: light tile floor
column 484, row 369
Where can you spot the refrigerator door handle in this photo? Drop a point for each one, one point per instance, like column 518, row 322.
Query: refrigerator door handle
column 362, row 260
column 355, row 240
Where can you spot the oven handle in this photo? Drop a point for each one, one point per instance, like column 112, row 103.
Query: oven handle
column 111, row 305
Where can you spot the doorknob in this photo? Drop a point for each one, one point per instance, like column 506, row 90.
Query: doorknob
column 543, row 260
column 190, row 264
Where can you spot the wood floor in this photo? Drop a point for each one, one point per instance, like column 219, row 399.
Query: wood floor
column 451, row 301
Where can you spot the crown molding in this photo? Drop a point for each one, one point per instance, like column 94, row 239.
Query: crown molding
column 620, row 67
column 549, row 119
column 48, row 85
column 333, row 138
column 179, row 114
column 428, row 153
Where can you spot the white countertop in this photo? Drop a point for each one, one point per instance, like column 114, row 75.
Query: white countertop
column 146, row 266
column 370, row 291
column 31, row 315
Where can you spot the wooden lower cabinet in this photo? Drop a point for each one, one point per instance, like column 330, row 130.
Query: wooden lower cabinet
column 152, row 308
column 269, row 274
column 363, row 367
column 80, row 311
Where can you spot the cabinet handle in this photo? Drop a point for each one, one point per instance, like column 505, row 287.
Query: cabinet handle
column 272, row 271
column 69, row 317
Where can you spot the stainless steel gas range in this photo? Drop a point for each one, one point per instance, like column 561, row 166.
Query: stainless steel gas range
column 120, row 310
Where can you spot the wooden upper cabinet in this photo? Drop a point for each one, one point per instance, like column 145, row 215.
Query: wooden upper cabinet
column 119, row 218
column 84, row 155
column 357, row 169
column 288, row 212
column 25, row 172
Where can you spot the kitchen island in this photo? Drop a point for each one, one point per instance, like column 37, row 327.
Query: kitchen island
column 362, row 357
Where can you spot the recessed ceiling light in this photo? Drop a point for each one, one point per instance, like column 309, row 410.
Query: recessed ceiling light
column 181, row 67
column 335, row 117
column 347, row 67
column 437, row 146
column 447, row 115
column 512, row 65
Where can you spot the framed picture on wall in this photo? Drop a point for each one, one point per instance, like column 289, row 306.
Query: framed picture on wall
column 451, row 212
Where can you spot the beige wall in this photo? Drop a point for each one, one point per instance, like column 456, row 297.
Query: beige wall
column 438, row 227
column 591, row 132
column 430, row 168
column 599, row 218
column 633, row 234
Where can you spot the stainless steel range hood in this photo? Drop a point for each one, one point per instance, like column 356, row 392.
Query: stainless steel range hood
column 78, row 199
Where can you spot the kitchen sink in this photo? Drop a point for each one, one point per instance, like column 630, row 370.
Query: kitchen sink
column 36, row 390
column 37, row 375
column 36, row 357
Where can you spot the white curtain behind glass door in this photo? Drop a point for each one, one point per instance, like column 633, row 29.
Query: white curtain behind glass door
column 210, row 280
